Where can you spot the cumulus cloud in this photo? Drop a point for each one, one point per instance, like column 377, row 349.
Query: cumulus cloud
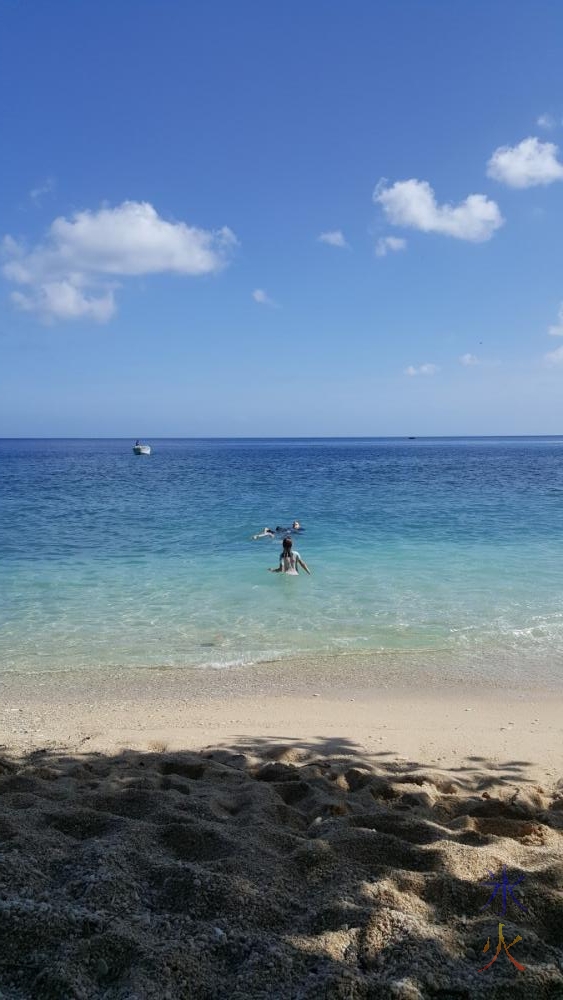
column 333, row 238
column 557, row 330
column 73, row 272
column 426, row 369
column 63, row 300
column 528, row 164
column 546, row 121
column 389, row 244
column 413, row 203
column 468, row 360
column 260, row 296
column 555, row 357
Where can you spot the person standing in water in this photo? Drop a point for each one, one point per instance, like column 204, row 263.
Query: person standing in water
column 290, row 560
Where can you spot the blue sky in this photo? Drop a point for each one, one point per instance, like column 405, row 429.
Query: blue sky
column 281, row 219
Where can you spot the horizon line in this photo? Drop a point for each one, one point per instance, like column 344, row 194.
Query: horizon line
column 274, row 437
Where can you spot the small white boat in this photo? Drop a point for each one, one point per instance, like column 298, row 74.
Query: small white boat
column 141, row 449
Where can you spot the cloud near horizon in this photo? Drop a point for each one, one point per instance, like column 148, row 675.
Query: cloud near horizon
column 74, row 272
column 528, row 164
column 546, row 121
column 554, row 357
column 389, row 244
column 263, row 299
column 37, row 193
column 413, row 203
column 468, row 360
column 557, row 329
column 334, row 238
column 426, row 369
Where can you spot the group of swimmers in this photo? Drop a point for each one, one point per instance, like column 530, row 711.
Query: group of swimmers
column 290, row 560
column 274, row 532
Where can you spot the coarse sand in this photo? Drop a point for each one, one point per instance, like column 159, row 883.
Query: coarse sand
column 299, row 844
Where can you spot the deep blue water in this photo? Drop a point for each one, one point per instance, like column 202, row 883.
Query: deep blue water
column 429, row 545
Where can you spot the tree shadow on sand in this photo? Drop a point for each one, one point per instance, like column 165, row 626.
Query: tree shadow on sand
column 275, row 869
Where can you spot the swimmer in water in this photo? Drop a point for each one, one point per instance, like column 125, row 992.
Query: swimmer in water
column 267, row 533
column 290, row 560
column 295, row 526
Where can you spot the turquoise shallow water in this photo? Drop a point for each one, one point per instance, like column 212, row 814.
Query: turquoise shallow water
column 429, row 546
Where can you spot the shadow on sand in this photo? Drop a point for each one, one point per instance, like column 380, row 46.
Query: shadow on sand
column 275, row 869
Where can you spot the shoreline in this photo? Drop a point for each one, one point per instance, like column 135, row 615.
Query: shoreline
column 383, row 667
column 440, row 720
column 440, row 664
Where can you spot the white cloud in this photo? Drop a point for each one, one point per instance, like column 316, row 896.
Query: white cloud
column 546, row 121
column 387, row 244
column 557, row 330
column 46, row 187
column 63, row 300
column 69, row 274
column 528, row 164
column 555, row 357
column 426, row 369
column 334, row 238
column 468, row 360
column 260, row 296
column 413, row 203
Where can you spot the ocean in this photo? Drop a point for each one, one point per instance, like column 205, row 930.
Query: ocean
column 427, row 550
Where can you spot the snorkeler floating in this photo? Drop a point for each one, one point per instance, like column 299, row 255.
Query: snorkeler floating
column 266, row 533
column 278, row 530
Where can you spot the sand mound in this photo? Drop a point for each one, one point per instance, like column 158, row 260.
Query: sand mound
column 279, row 872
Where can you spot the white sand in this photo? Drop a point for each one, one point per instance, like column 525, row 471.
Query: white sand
column 433, row 722
column 264, row 833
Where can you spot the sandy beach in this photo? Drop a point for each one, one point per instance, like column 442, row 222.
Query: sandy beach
column 281, row 501
column 263, row 832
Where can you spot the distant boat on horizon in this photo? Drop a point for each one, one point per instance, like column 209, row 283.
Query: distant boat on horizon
column 141, row 449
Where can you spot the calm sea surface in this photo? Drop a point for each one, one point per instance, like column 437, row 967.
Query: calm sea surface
column 424, row 547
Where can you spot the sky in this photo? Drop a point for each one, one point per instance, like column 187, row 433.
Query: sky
column 281, row 219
